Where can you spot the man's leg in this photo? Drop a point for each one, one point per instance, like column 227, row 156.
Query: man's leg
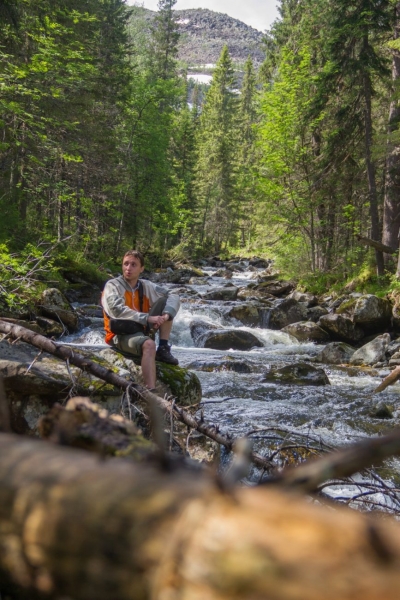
column 149, row 364
column 163, row 353
column 141, row 346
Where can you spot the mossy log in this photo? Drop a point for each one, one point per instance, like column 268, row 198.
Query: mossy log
column 73, row 526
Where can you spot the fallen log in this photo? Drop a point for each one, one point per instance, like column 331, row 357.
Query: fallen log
column 73, row 526
column 389, row 380
column 377, row 245
column 341, row 463
column 69, row 355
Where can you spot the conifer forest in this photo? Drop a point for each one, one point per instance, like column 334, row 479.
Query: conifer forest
column 99, row 144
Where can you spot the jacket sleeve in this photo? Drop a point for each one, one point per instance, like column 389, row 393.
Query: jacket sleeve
column 114, row 305
column 154, row 292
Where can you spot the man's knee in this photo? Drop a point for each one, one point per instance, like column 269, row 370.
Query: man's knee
column 149, row 348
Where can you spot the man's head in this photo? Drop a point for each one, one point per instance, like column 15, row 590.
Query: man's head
column 132, row 266
column 135, row 254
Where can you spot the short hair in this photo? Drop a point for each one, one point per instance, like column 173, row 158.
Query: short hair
column 135, row 254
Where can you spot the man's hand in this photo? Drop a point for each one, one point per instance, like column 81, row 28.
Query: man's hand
column 158, row 321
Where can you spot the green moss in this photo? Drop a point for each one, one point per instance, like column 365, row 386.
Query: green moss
column 346, row 306
column 184, row 384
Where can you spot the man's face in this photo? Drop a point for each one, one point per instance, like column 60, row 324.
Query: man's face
column 131, row 269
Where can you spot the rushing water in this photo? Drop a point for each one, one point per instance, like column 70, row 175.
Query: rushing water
column 235, row 397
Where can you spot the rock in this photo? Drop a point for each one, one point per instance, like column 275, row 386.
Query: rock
column 309, row 299
column 55, row 306
column 336, row 353
column 248, row 314
column 226, row 364
column 197, row 328
column 341, row 328
column 369, row 311
column 179, row 276
column 31, row 325
column 260, row 263
column 184, row 385
column 276, row 288
column 298, row 374
column 371, row 353
column 222, row 293
column 286, row 312
column 49, row 327
column 198, row 281
column 249, row 293
column 68, row 318
column 315, row 313
column 84, row 293
column 382, row 411
column 91, row 310
column 226, row 339
column 307, row 331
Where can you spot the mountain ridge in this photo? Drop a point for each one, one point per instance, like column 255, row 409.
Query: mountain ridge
column 204, row 32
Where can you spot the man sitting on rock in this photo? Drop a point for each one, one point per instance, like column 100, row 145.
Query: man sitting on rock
column 132, row 308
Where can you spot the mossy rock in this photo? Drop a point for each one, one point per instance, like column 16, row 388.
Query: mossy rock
column 184, row 384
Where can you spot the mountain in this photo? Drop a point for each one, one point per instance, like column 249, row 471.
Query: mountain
column 205, row 32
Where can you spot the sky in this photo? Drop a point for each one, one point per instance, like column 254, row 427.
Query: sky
column 260, row 14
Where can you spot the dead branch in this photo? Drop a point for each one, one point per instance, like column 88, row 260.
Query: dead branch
column 67, row 354
column 377, row 245
column 389, row 380
column 342, row 463
column 72, row 526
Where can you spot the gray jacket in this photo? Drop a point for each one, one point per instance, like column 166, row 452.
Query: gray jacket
column 113, row 300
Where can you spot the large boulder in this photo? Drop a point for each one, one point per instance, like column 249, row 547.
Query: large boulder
column 341, row 328
column 307, row 331
column 368, row 311
column 226, row 339
column 373, row 352
column 298, row 374
column 336, row 353
column 286, row 312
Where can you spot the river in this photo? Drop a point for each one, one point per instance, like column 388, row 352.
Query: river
column 311, row 418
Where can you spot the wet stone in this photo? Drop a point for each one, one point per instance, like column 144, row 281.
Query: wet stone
column 298, row 374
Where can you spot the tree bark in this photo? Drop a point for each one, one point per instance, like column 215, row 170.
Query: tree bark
column 391, row 208
column 373, row 196
column 73, row 526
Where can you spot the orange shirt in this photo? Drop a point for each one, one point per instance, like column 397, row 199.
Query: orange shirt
column 132, row 301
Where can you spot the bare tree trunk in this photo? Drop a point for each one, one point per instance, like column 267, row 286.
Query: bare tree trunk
column 73, row 526
column 373, row 196
column 391, row 209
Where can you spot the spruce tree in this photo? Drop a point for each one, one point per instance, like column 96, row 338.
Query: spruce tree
column 216, row 166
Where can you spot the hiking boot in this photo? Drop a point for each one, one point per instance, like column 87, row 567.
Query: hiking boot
column 164, row 355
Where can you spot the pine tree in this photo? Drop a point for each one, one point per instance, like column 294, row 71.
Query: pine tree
column 216, row 166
